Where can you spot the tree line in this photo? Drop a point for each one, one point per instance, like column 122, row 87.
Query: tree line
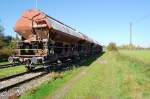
column 113, row 47
column 7, row 45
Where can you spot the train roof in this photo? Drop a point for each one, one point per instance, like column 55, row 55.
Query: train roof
column 35, row 14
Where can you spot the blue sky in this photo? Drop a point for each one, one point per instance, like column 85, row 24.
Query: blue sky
column 103, row 20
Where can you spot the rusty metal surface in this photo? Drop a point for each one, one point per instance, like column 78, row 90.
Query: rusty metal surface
column 58, row 26
column 30, row 19
column 86, row 38
column 24, row 26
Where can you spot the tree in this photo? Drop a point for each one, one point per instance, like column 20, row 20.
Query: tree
column 7, row 45
column 112, row 47
column 2, row 42
column 1, row 31
column 12, row 44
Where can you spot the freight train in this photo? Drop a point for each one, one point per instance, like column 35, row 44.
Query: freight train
column 43, row 40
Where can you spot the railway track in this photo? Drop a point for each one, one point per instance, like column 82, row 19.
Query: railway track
column 16, row 85
column 9, row 65
column 12, row 81
column 12, row 76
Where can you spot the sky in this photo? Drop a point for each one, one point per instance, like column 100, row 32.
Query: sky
column 103, row 20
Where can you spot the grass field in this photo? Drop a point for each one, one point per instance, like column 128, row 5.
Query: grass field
column 143, row 55
column 4, row 62
column 112, row 76
column 11, row 70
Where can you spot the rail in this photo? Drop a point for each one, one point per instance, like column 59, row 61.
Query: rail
column 9, row 65
column 6, row 88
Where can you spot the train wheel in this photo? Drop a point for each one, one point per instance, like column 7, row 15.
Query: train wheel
column 10, row 59
column 29, row 65
column 47, row 67
column 30, row 68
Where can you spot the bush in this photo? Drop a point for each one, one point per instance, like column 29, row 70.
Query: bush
column 7, row 50
column 5, row 53
column 112, row 47
column 6, row 45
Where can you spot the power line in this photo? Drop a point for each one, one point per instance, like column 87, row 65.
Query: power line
column 131, row 27
column 142, row 18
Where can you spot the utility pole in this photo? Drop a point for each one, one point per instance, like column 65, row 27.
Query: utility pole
column 36, row 4
column 131, row 25
column 131, row 28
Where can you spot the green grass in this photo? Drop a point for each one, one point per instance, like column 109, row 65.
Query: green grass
column 113, row 76
column 142, row 55
column 4, row 62
column 11, row 70
column 50, row 86
column 99, row 82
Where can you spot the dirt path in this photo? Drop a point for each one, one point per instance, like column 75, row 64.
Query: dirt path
column 58, row 94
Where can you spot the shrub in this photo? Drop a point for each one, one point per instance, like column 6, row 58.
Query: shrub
column 112, row 47
column 5, row 53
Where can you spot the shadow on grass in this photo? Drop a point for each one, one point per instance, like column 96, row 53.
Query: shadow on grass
column 86, row 61
column 90, row 60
